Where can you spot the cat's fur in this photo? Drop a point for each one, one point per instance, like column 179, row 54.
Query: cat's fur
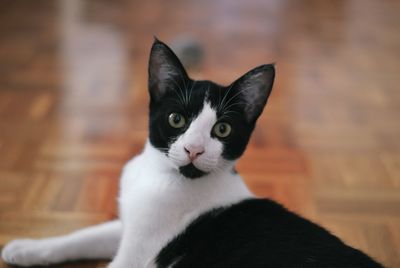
column 181, row 202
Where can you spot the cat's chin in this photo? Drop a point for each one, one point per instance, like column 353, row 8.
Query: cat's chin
column 191, row 172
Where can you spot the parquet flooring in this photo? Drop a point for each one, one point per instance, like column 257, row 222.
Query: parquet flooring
column 73, row 107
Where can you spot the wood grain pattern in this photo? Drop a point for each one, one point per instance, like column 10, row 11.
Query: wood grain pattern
column 73, row 107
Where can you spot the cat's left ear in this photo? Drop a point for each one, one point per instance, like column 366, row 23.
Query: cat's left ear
column 166, row 72
column 254, row 88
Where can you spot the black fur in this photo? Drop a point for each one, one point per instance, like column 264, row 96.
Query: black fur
column 191, row 172
column 258, row 233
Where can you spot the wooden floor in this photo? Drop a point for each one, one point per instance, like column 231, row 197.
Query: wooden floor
column 73, row 107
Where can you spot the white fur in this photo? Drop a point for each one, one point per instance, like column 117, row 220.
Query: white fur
column 156, row 203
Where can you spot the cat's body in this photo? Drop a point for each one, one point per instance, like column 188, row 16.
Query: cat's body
column 181, row 203
column 258, row 233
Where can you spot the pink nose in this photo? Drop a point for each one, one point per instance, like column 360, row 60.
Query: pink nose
column 194, row 151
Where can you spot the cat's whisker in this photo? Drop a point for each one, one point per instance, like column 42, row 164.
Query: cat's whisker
column 182, row 98
column 191, row 90
column 163, row 149
column 237, row 93
column 175, row 156
column 181, row 101
column 227, row 115
column 184, row 90
column 223, row 99
column 181, row 76
column 219, row 97
column 186, row 96
column 234, row 104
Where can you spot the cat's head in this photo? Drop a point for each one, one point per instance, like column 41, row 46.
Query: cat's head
column 201, row 126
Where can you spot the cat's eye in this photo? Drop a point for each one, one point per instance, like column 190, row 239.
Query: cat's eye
column 176, row 120
column 222, row 129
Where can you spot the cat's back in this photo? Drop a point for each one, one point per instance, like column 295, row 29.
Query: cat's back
column 258, row 233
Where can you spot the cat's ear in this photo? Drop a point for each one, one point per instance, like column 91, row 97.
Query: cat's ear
column 166, row 72
column 254, row 88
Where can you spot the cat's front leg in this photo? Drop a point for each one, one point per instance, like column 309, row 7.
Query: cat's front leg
column 97, row 242
column 124, row 257
column 133, row 252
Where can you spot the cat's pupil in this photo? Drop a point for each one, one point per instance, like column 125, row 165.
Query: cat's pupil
column 222, row 128
column 176, row 118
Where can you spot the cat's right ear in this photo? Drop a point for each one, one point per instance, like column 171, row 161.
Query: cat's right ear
column 166, row 72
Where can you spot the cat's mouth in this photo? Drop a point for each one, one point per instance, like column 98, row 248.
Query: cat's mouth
column 191, row 171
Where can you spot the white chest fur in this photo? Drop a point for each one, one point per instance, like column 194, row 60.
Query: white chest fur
column 157, row 203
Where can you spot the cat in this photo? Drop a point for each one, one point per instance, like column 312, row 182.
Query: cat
column 181, row 201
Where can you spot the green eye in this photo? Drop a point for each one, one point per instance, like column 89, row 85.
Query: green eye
column 176, row 120
column 222, row 130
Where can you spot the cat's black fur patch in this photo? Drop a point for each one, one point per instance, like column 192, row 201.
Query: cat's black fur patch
column 191, row 172
column 258, row 233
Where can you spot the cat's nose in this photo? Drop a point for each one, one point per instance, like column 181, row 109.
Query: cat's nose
column 193, row 151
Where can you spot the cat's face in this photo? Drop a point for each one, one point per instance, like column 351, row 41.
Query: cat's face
column 201, row 126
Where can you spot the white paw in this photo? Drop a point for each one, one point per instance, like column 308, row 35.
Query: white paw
column 27, row 252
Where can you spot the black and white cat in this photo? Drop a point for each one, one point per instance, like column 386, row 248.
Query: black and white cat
column 181, row 202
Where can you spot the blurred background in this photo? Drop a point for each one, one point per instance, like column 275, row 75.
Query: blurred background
column 73, row 107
